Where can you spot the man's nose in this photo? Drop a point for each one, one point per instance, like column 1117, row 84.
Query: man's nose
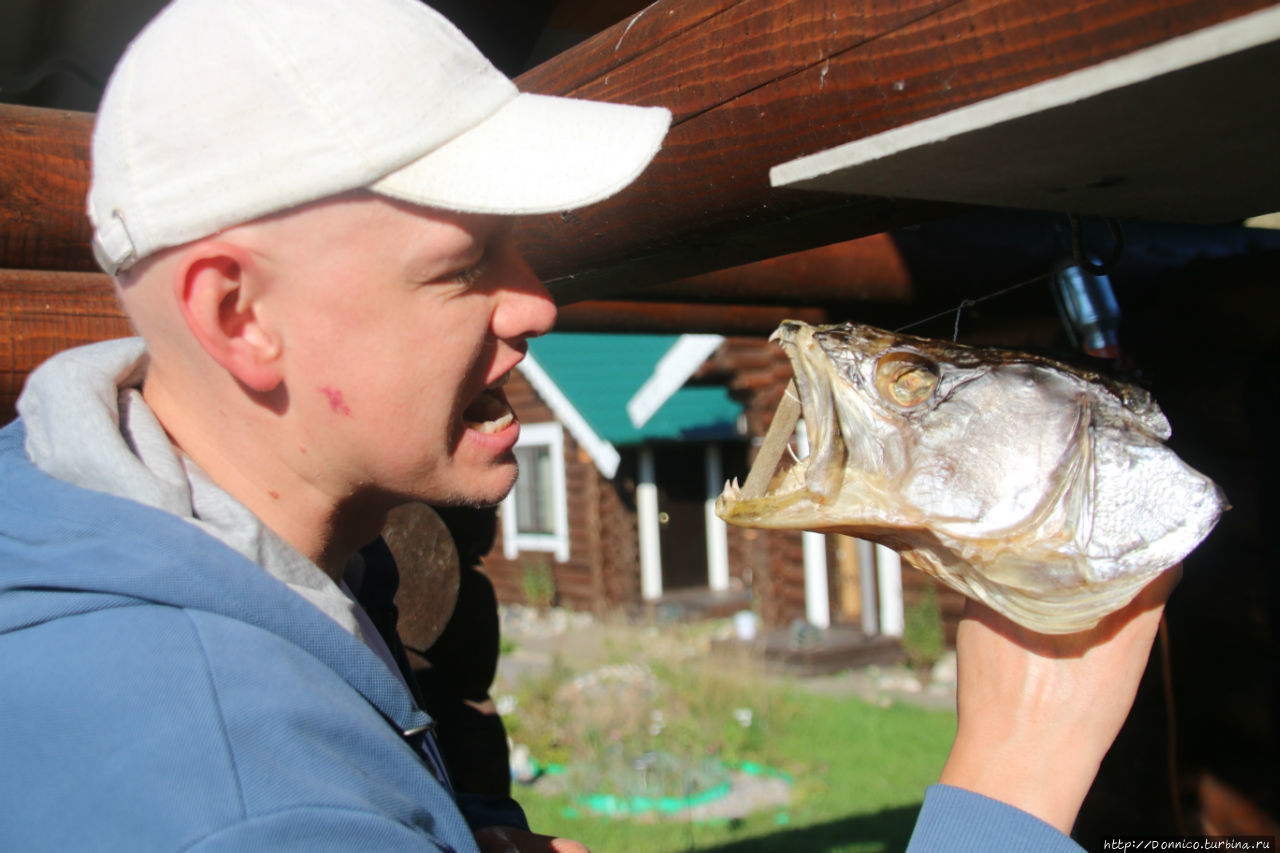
column 525, row 308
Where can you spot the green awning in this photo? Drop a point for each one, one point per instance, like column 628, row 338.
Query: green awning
column 600, row 373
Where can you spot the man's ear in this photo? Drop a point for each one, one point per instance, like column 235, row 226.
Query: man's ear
column 219, row 285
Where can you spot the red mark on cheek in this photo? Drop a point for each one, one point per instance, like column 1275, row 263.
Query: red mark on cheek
column 274, row 495
column 335, row 401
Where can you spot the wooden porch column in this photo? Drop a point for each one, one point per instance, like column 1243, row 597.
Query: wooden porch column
column 817, row 596
column 817, row 601
column 647, row 522
column 889, row 580
column 717, row 530
column 867, row 584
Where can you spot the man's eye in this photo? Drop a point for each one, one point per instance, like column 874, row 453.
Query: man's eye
column 473, row 273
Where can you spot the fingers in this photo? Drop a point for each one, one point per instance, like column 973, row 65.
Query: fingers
column 508, row 839
column 1156, row 593
column 1136, row 623
column 1142, row 613
column 494, row 839
column 1037, row 712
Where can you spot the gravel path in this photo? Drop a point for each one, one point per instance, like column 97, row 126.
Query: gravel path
column 582, row 642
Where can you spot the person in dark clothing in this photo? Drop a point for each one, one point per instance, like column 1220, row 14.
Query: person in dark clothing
column 456, row 673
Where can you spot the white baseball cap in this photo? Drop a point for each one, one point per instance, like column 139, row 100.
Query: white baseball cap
column 223, row 111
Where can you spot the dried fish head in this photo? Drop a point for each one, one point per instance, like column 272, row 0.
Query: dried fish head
column 1043, row 490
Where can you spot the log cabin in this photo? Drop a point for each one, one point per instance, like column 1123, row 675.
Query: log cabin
column 979, row 142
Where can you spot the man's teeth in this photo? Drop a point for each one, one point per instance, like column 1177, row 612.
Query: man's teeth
column 488, row 414
column 492, row 426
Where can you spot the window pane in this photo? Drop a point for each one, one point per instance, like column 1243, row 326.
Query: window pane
column 534, row 490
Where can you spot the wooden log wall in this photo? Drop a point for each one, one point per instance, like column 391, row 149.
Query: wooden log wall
column 44, row 175
column 781, row 589
column 44, row 312
column 603, row 566
column 619, row 541
column 52, row 295
column 754, row 83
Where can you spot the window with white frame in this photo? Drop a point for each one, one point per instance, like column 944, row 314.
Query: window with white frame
column 535, row 515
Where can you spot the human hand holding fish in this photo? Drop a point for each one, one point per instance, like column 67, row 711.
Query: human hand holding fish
column 509, row 839
column 1042, row 492
column 1037, row 712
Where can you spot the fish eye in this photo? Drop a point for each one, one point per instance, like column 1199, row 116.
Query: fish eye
column 905, row 378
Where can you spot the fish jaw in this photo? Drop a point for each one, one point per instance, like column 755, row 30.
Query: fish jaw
column 1105, row 509
column 849, row 450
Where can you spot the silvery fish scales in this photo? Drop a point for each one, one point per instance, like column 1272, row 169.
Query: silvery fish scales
column 1041, row 489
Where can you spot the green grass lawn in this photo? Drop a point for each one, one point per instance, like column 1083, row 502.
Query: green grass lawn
column 859, row 771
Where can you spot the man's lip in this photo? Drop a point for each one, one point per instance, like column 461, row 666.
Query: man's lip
column 505, row 374
column 494, row 442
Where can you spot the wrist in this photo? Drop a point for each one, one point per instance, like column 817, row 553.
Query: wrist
column 1049, row 784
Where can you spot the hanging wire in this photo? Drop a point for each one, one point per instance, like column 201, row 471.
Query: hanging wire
column 1083, row 258
column 972, row 301
column 964, row 303
column 1171, row 745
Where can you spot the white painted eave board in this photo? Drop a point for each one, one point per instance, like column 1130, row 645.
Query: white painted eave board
column 669, row 375
column 1185, row 131
column 602, row 452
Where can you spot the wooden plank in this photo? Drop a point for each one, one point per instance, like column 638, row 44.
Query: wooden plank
column 44, row 175
column 752, row 82
column 702, row 54
column 1141, row 136
column 620, row 41
column 42, row 313
column 760, row 82
column 867, row 269
column 775, row 443
column 680, row 318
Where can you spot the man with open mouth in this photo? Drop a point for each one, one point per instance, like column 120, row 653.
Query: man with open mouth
column 306, row 207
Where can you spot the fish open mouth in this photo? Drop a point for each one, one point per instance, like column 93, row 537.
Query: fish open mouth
column 810, row 395
column 490, row 412
column 1042, row 490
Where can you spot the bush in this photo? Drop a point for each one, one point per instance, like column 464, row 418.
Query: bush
column 922, row 635
column 539, row 585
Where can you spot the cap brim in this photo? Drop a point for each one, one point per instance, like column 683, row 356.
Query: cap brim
column 536, row 154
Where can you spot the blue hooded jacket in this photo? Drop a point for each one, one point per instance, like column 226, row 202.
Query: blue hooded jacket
column 159, row 691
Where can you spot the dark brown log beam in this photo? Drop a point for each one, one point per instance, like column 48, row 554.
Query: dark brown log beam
column 867, row 269
column 753, row 83
column 680, row 317
column 45, row 312
column 44, row 174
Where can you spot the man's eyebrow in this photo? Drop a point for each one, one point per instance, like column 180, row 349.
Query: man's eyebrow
column 482, row 239
column 500, row 230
